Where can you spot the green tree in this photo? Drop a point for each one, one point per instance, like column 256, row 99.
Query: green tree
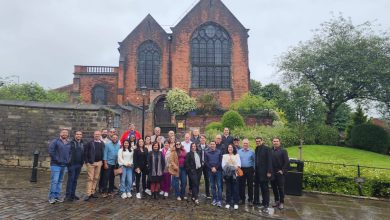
column 31, row 92
column 255, row 87
column 358, row 118
column 179, row 102
column 207, row 103
column 232, row 119
column 343, row 117
column 341, row 62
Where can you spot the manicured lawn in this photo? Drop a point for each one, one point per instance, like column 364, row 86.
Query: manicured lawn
column 345, row 155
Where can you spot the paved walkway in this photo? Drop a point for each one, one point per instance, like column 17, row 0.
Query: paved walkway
column 20, row 199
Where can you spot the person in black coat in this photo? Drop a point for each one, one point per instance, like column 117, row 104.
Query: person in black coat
column 280, row 163
column 193, row 165
column 156, row 164
column 263, row 173
column 140, row 166
column 226, row 138
column 74, row 165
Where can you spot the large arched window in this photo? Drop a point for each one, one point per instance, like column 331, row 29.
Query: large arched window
column 210, row 57
column 148, row 68
column 99, row 95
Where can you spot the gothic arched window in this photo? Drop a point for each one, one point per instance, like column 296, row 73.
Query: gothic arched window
column 210, row 57
column 148, row 68
column 99, row 95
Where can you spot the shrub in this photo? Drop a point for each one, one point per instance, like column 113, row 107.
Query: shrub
column 232, row 119
column 326, row 135
column 214, row 126
column 179, row 102
column 207, row 103
column 370, row 137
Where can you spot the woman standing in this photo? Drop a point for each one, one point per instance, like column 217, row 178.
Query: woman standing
column 172, row 141
column 140, row 166
column 166, row 181
column 181, row 154
column 194, row 169
column 156, row 164
column 230, row 163
column 125, row 160
column 148, row 143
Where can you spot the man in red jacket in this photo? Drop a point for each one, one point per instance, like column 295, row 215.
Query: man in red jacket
column 131, row 131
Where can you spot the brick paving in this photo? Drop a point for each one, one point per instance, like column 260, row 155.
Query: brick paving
column 20, row 199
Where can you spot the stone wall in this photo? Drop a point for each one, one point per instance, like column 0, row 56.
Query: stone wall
column 29, row 126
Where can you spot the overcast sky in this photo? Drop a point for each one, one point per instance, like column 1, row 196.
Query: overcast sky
column 42, row 40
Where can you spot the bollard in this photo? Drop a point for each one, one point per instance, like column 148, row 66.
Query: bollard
column 35, row 167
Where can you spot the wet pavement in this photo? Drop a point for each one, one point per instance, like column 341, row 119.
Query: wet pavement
column 20, row 199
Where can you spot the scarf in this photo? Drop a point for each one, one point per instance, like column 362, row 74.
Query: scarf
column 159, row 170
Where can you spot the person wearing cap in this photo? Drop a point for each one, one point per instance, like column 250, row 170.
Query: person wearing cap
column 236, row 143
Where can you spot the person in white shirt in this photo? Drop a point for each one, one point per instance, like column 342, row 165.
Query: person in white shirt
column 125, row 160
column 230, row 163
column 187, row 142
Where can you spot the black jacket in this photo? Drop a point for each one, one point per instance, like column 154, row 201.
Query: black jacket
column 202, row 153
column 141, row 159
column 227, row 140
column 190, row 164
column 89, row 151
column 263, row 163
column 76, row 153
column 280, row 160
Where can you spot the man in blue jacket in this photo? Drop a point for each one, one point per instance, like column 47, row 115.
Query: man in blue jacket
column 213, row 160
column 59, row 151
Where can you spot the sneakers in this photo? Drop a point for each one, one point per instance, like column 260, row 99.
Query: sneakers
column 165, row 194
column 184, row 198
column 235, row 207
column 214, row 203
column 138, row 195
column 59, row 199
column 104, row 195
column 129, row 195
column 276, row 204
column 123, row 196
column 227, row 206
column 219, row 204
column 196, row 202
column 178, row 198
column 281, row 206
column 161, row 193
column 94, row 196
column 148, row 192
column 52, row 201
column 208, row 197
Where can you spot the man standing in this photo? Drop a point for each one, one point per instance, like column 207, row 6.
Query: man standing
column 226, row 138
column 111, row 132
column 247, row 157
column 93, row 156
column 110, row 158
column 195, row 136
column 187, row 142
column 131, row 131
column 213, row 160
column 219, row 145
column 280, row 164
column 263, row 167
column 59, row 151
column 236, row 143
column 202, row 149
column 74, row 166
column 105, row 137
column 157, row 133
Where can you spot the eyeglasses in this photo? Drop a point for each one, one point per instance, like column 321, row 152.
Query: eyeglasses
column 177, row 144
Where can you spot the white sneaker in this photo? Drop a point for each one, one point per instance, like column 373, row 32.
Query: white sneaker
column 161, row 193
column 227, row 206
column 185, row 198
column 124, row 196
column 165, row 194
column 138, row 195
column 178, row 198
column 147, row 191
column 235, row 207
column 129, row 195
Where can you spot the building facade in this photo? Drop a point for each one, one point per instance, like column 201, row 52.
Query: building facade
column 207, row 51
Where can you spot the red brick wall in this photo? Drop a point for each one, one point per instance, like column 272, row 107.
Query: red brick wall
column 87, row 82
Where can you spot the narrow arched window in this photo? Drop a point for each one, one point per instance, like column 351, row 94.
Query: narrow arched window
column 99, row 95
column 210, row 57
column 149, row 62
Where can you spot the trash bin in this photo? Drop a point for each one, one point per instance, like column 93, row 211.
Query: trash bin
column 294, row 178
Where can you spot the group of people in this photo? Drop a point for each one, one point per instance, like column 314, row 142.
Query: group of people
column 161, row 163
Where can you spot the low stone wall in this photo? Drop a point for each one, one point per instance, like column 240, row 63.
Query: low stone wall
column 29, row 126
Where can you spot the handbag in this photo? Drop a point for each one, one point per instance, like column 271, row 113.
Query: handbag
column 239, row 172
column 118, row 171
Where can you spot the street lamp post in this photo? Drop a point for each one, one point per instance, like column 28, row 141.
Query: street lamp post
column 143, row 92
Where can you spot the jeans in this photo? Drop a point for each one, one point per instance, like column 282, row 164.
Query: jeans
column 183, row 183
column 232, row 196
column 216, row 185
column 126, row 180
column 73, row 175
column 278, row 187
column 109, row 179
column 246, row 180
column 56, row 178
